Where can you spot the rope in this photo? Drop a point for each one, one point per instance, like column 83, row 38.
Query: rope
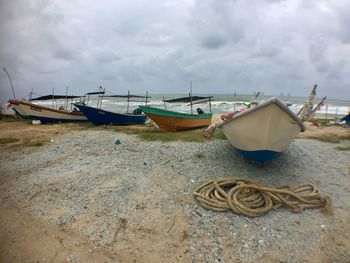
column 254, row 199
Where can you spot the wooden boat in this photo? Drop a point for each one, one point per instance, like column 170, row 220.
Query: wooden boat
column 102, row 117
column 171, row 121
column 28, row 110
column 98, row 116
column 176, row 121
column 261, row 133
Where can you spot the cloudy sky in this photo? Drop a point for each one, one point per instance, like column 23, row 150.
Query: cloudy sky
column 223, row 46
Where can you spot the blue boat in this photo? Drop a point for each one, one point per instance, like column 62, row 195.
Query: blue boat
column 102, row 117
column 98, row 116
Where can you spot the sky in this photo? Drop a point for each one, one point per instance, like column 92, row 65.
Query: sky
column 222, row 46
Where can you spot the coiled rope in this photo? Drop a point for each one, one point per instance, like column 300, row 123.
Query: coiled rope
column 254, row 199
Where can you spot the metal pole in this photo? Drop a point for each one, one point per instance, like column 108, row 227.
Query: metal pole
column 8, row 75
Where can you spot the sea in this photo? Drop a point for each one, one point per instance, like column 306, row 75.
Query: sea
column 220, row 104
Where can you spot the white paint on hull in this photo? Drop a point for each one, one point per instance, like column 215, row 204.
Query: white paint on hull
column 28, row 109
column 267, row 127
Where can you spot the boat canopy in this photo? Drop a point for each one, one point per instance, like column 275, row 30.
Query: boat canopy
column 127, row 96
column 131, row 96
column 95, row 93
column 188, row 99
column 55, row 97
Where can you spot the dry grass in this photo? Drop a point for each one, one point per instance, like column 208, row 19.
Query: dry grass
column 8, row 140
column 333, row 133
column 343, row 148
column 199, row 155
column 332, row 138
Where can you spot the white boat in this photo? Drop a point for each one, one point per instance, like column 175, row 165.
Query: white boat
column 28, row 110
column 261, row 133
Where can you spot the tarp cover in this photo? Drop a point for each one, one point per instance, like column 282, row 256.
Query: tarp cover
column 55, row 97
column 187, row 99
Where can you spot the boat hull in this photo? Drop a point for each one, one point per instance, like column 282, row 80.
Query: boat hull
column 103, row 117
column 32, row 111
column 263, row 132
column 260, row 156
column 171, row 121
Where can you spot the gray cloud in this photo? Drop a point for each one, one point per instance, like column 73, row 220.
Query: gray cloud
column 222, row 46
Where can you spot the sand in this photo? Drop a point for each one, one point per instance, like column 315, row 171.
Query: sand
column 68, row 193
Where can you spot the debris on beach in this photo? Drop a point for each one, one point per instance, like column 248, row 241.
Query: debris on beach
column 36, row 122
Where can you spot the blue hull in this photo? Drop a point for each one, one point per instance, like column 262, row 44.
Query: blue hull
column 102, row 117
column 260, row 156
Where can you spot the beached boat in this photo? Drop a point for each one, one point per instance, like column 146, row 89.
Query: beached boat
column 102, row 117
column 98, row 116
column 261, row 133
column 176, row 121
column 29, row 110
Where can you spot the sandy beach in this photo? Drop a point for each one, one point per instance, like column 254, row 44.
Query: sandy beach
column 68, row 193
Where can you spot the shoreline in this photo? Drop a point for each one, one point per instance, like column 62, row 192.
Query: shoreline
column 79, row 197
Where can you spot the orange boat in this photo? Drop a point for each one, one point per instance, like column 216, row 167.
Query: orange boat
column 171, row 121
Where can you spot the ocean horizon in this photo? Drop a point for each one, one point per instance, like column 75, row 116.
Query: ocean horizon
column 221, row 103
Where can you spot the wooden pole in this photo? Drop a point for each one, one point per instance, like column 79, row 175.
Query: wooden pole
column 8, row 75
column 164, row 102
column 336, row 114
column 191, row 97
column 102, row 94
column 31, row 94
column 53, row 100
column 127, row 107
column 66, row 100
column 209, row 104
column 234, row 101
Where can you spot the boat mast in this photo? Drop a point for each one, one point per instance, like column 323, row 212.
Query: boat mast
column 234, row 101
column 53, row 101
column 31, row 94
column 164, row 102
column 66, row 100
column 210, row 104
column 146, row 97
column 100, row 97
column 8, row 75
column 127, row 104
column 191, row 97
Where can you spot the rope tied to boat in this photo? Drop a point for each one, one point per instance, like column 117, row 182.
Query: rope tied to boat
column 254, row 199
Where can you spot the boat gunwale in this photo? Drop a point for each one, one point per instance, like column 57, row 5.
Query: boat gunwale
column 18, row 102
column 266, row 103
column 111, row 112
column 168, row 113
